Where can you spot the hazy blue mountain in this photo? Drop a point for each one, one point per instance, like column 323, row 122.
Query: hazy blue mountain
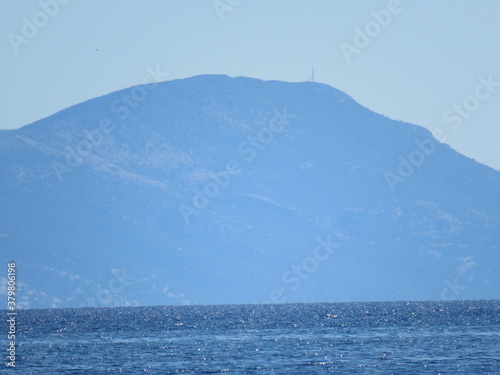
column 105, row 203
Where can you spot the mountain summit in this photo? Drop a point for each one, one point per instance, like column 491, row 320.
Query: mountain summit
column 215, row 190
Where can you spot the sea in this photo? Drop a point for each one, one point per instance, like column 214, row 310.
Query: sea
column 445, row 337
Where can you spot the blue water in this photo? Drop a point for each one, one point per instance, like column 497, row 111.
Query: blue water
column 457, row 337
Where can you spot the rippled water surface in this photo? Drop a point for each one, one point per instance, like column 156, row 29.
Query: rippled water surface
column 341, row 338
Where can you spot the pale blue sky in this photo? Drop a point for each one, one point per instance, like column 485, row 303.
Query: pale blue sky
column 428, row 57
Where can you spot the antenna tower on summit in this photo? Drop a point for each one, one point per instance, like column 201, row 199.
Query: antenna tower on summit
column 312, row 74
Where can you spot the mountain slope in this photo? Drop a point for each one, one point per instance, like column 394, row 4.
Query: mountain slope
column 234, row 190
